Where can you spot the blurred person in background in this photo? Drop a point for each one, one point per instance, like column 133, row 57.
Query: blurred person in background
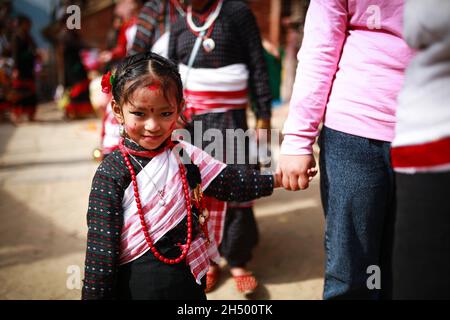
column 24, row 54
column 219, row 51
column 6, row 62
column 127, row 11
column 154, row 24
column 75, row 100
column 421, row 157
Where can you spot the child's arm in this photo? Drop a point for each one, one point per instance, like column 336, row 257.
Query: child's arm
column 104, row 220
column 241, row 183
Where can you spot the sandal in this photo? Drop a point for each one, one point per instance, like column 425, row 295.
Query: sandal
column 212, row 277
column 246, row 284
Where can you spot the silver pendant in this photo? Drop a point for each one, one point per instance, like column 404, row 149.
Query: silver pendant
column 209, row 45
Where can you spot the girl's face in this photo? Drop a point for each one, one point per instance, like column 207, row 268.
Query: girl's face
column 149, row 119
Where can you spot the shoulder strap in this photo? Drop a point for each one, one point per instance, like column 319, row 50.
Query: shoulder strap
column 194, row 52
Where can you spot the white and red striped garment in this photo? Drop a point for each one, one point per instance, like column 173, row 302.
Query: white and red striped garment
column 110, row 131
column 164, row 170
column 432, row 156
column 422, row 133
column 218, row 90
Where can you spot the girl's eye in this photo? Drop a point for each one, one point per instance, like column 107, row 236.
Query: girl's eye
column 137, row 113
column 167, row 114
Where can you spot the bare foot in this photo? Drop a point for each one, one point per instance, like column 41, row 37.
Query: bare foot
column 238, row 271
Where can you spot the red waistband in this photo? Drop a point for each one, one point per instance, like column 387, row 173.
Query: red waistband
column 430, row 154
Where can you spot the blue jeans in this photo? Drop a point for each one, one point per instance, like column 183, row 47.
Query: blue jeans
column 357, row 190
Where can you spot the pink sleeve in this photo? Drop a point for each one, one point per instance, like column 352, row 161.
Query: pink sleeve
column 324, row 35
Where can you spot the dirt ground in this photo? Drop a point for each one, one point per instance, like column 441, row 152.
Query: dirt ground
column 46, row 169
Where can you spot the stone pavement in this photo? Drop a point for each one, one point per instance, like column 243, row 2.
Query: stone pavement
column 45, row 173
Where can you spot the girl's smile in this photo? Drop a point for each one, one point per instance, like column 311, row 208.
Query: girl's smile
column 148, row 117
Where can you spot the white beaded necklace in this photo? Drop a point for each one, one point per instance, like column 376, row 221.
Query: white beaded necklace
column 209, row 21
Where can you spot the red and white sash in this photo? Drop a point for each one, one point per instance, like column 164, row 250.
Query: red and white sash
column 161, row 219
column 215, row 90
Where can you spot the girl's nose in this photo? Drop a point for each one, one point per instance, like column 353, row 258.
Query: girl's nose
column 151, row 125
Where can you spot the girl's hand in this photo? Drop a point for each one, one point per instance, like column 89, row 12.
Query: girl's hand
column 277, row 178
column 311, row 173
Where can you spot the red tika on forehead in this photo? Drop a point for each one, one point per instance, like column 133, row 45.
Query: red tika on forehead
column 154, row 86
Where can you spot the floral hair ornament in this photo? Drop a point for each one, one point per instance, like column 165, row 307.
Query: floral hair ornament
column 107, row 82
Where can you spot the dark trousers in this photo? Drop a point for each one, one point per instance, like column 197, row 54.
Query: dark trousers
column 421, row 255
column 357, row 190
column 240, row 236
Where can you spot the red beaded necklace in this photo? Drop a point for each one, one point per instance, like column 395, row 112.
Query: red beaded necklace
column 141, row 214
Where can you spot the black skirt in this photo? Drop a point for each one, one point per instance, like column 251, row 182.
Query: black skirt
column 147, row 278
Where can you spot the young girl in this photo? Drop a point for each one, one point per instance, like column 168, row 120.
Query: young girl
column 149, row 237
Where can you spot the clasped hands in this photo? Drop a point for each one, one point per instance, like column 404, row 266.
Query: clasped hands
column 295, row 172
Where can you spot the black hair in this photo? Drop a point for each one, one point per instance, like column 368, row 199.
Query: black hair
column 143, row 69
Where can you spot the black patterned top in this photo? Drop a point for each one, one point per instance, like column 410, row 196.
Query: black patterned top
column 237, row 40
column 105, row 214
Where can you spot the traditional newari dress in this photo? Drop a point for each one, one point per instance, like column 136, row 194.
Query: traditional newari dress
column 421, row 157
column 6, row 65
column 153, row 26
column 76, row 80
column 217, row 90
column 23, row 95
column 119, row 263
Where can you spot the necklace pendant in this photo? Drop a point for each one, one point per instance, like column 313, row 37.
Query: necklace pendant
column 161, row 202
column 209, row 45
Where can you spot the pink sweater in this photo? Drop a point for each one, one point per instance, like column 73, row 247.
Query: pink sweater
column 351, row 68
